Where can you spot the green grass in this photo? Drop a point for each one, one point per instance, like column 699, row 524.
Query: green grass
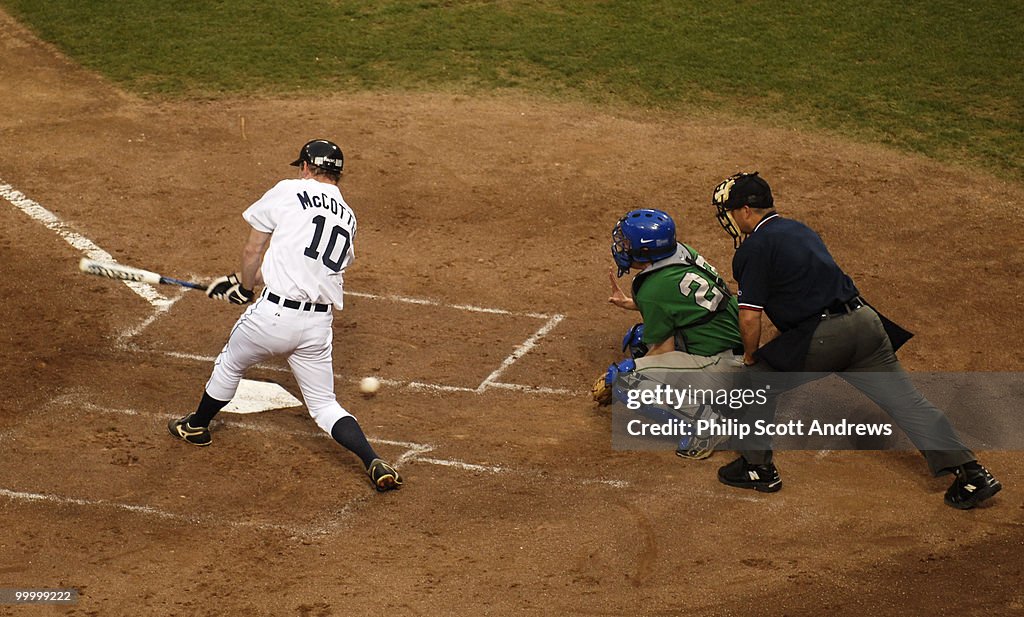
column 939, row 77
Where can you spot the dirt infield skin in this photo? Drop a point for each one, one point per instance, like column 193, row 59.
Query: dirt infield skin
column 519, row 507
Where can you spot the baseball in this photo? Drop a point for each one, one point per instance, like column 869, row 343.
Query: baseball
column 369, row 385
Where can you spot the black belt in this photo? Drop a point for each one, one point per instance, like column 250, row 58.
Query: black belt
column 295, row 304
column 842, row 308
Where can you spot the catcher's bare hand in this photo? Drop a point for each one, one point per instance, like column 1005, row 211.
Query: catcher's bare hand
column 618, row 297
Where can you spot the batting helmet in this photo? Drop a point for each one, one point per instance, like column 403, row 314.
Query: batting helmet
column 742, row 189
column 643, row 236
column 323, row 154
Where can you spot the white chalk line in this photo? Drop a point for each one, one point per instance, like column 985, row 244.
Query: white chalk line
column 533, row 389
column 491, row 381
column 162, row 304
column 410, row 454
column 440, row 304
column 126, row 335
column 414, row 451
column 328, row 525
column 464, row 466
column 79, row 242
column 413, row 454
column 427, row 302
column 517, row 353
column 612, row 483
column 165, row 514
column 393, row 383
column 520, row 351
column 73, row 400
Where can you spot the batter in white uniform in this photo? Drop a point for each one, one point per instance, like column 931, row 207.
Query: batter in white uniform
column 298, row 248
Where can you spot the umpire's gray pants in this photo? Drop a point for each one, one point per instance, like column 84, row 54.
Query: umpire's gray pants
column 855, row 345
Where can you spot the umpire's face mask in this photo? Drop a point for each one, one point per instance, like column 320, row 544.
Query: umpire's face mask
column 728, row 223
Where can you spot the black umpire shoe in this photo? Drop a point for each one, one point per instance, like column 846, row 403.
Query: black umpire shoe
column 195, row 435
column 973, row 485
column 741, row 474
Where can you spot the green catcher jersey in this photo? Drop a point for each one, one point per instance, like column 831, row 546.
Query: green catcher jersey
column 684, row 295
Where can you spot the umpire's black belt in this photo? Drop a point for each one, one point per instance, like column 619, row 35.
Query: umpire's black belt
column 842, row 308
column 298, row 306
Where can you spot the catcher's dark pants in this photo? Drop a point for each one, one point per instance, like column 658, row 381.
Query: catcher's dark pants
column 855, row 346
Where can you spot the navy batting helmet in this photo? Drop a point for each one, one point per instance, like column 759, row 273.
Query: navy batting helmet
column 323, row 154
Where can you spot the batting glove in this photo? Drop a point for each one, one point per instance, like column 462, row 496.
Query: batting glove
column 229, row 288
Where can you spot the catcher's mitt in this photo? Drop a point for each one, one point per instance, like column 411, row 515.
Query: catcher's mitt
column 601, row 391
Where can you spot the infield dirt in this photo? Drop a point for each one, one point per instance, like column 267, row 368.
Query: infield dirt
column 492, row 202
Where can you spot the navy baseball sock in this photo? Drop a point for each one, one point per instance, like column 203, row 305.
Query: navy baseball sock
column 208, row 408
column 346, row 431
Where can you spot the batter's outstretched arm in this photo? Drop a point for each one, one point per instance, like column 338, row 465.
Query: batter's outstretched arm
column 252, row 258
column 750, row 332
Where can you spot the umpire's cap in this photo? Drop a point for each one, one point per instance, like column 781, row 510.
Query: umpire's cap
column 743, row 189
column 323, row 154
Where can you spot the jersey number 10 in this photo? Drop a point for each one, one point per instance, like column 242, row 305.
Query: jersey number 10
column 313, row 250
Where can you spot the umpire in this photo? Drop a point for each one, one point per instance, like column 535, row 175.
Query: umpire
column 783, row 269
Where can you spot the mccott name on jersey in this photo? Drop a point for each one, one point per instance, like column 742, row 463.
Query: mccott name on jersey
column 319, row 201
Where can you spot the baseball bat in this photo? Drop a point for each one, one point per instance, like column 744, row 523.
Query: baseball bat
column 125, row 273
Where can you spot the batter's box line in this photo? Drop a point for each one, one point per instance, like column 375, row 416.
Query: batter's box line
column 437, row 303
column 328, row 523
column 209, row 521
column 394, row 383
column 72, row 400
column 414, row 452
column 551, row 321
column 125, row 338
column 51, row 221
column 162, row 304
column 496, row 469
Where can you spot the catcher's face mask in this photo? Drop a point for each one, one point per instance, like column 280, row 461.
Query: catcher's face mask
column 621, row 250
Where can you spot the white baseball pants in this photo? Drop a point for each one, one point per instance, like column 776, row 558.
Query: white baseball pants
column 266, row 330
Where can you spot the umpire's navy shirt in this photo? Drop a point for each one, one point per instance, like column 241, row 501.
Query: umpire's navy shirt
column 784, row 269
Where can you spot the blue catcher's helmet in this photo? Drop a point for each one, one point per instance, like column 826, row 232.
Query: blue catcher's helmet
column 643, row 236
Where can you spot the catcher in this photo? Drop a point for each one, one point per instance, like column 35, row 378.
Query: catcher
column 690, row 318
